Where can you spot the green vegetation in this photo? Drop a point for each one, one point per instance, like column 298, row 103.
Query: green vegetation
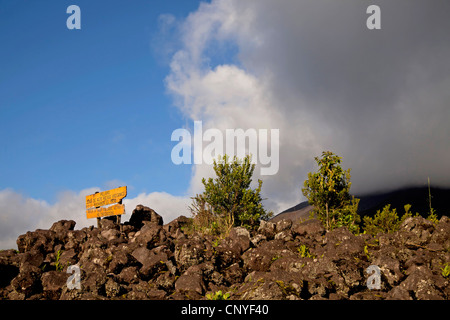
column 386, row 220
column 218, row 296
column 446, row 271
column 228, row 200
column 303, row 250
column 432, row 216
column 275, row 258
column 288, row 289
column 366, row 252
column 58, row 265
column 216, row 243
column 328, row 191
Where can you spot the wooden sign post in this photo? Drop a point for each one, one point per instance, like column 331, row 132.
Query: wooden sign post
column 95, row 204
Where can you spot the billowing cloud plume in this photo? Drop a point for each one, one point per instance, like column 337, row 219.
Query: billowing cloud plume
column 378, row 98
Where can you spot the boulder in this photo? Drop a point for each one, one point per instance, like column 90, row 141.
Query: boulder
column 150, row 235
column 156, row 294
column 190, row 284
column 138, row 291
column 189, row 252
column 421, row 285
column 441, row 234
column 28, row 281
column 309, row 229
column 67, row 258
column 390, row 269
column 283, row 225
column 94, row 280
column 152, row 261
column 398, row 293
column 260, row 258
column 166, row 281
column 75, row 239
column 41, row 240
column 9, row 267
column 267, row 229
column 63, row 226
column 129, row 275
column 415, row 232
column 143, row 213
column 265, row 286
column 176, row 224
column 93, row 258
column 110, row 234
column 341, row 242
column 33, row 257
column 112, row 288
column 119, row 260
column 230, row 249
column 233, row 274
column 53, row 282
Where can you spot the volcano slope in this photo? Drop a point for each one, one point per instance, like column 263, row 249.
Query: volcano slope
column 145, row 259
column 369, row 204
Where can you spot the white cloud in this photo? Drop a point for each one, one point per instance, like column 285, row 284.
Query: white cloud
column 312, row 69
column 19, row 214
column 229, row 96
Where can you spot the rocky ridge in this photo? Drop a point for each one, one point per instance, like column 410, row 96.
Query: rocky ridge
column 145, row 259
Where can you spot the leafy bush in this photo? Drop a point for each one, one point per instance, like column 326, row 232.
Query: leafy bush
column 385, row 221
column 228, row 199
column 347, row 216
column 328, row 191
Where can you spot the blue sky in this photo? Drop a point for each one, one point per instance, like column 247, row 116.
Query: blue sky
column 79, row 108
column 83, row 110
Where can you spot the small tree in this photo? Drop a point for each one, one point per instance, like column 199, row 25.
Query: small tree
column 228, row 199
column 328, row 191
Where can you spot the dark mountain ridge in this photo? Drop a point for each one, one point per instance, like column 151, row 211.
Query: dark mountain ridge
column 417, row 197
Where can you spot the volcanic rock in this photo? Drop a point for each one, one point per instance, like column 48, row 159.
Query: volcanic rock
column 144, row 259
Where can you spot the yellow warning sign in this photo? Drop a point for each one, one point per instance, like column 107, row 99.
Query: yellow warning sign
column 106, row 197
column 113, row 210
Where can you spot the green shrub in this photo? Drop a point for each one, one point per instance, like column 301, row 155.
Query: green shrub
column 228, row 199
column 385, row 221
column 328, row 191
